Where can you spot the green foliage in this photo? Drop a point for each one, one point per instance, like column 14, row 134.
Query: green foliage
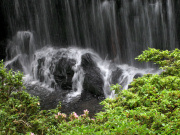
column 116, row 88
column 169, row 61
column 150, row 106
column 16, row 105
column 9, row 82
column 20, row 112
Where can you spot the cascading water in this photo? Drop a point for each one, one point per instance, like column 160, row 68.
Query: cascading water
column 73, row 47
column 21, row 49
column 146, row 25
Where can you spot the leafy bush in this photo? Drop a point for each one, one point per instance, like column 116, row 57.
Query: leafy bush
column 16, row 105
column 153, row 101
column 116, row 88
column 150, row 106
column 19, row 111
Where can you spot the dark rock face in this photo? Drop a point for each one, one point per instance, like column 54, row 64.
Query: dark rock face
column 40, row 69
column 115, row 75
column 50, row 100
column 61, row 68
column 138, row 75
column 118, row 77
column 63, row 73
column 89, row 102
column 93, row 81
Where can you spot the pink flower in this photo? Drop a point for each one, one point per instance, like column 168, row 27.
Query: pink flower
column 56, row 116
column 75, row 115
column 32, row 133
column 86, row 111
column 59, row 113
column 63, row 115
column 93, row 119
column 83, row 115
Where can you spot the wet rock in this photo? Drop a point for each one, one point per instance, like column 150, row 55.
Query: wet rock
column 138, row 75
column 116, row 75
column 40, row 69
column 93, row 81
column 88, row 102
column 63, row 73
column 50, row 100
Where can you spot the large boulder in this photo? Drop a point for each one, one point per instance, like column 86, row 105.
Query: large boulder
column 62, row 70
column 93, row 81
column 138, row 75
column 115, row 75
column 63, row 73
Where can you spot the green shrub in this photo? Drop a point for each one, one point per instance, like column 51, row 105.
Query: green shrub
column 153, row 100
column 116, row 88
column 16, row 105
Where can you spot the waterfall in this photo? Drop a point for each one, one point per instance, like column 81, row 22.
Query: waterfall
column 84, row 45
column 146, row 25
column 117, row 33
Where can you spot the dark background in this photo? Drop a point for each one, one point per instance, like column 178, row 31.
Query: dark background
column 3, row 33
